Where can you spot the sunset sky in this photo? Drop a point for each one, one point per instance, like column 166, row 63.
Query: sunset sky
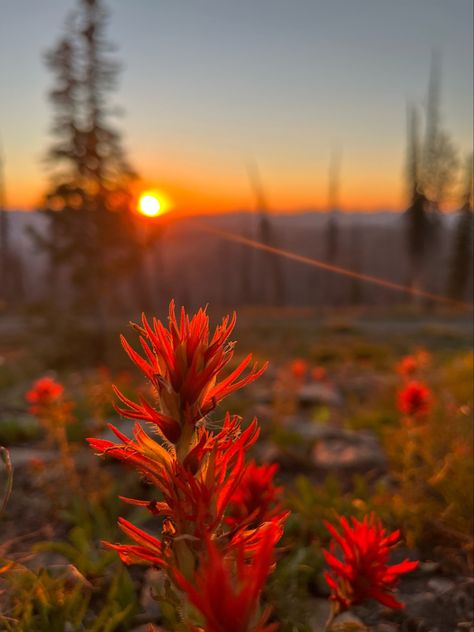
column 209, row 86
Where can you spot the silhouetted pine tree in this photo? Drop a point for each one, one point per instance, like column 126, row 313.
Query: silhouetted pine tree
column 462, row 243
column 244, row 265
column 416, row 216
column 269, row 274
column 331, row 235
column 432, row 167
column 4, row 240
column 92, row 230
column 439, row 165
column 356, row 250
column 439, row 162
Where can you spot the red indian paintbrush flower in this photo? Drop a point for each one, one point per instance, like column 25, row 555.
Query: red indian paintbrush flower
column 200, row 475
column 319, row 374
column 298, row 368
column 407, row 366
column 256, row 497
column 183, row 362
column 226, row 591
column 414, row 399
column 44, row 392
column 411, row 364
column 197, row 493
column 53, row 411
column 363, row 572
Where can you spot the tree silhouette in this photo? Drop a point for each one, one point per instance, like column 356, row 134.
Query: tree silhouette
column 269, row 278
column 438, row 170
column 245, row 294
column 356, row 253
column 92, row 233
column 416, row 216
column 432, row 167
column 4, row 239
column 332, row 232
column 462, row 244
column 11, row 264
column 439, row 162
column 332, row 236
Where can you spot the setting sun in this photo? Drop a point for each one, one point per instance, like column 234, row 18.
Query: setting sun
column 153, row 202
column 149, row 205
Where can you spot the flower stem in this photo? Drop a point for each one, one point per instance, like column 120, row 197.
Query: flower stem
column 185, row 442
column 330, row 620
column 5, row 457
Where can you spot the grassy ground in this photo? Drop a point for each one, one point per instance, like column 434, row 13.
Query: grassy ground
column 52, row 526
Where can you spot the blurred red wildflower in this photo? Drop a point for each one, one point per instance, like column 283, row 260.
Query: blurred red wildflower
column 363, row 572
column 319, row 374
column 414, row 399
column 36, row 464
column 413, row 363
column 462, row 448
column 423, row 357
column 44, row 392
column 256, row 498
column 54, row 413
column 299, row 368
column 183, row 364
column 226, row 591
column 407, row 366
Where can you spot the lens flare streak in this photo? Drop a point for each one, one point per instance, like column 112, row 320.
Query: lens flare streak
column 329, row 267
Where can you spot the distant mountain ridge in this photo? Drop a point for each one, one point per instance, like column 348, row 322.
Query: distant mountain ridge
column 198, row 265
column 21, row 220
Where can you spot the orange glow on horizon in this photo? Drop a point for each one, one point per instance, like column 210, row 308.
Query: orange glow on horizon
column 208, row 192
column 196, row 198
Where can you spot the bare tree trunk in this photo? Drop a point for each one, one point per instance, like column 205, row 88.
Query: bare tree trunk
column 4, row 240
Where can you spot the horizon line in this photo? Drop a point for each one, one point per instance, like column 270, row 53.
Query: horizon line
column 273, row 211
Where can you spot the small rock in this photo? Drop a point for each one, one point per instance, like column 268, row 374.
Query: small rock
column 318, row 394
column 320, row 609
column 350, row 622
column 350, row 452
column 441, row 585
column 23, row 456
column 149, row 604
column 428, row 568
column 420, row 605
column 386, row 627
column 309, row 430
column 348, row 617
